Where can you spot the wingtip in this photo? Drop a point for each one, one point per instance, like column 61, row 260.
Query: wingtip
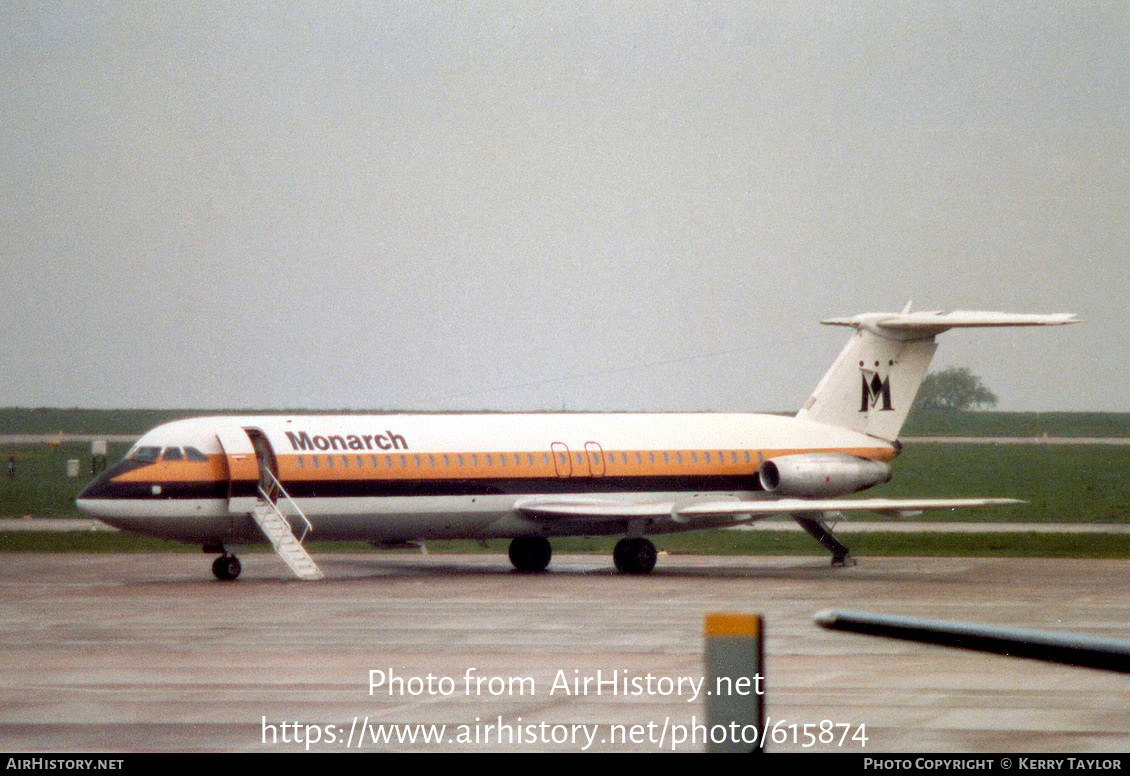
column 826, row 618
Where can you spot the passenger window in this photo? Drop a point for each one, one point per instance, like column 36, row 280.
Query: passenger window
column 314, row 460
column 329, row 461
column 172, row 454
column 360, row 462
column 301, row 462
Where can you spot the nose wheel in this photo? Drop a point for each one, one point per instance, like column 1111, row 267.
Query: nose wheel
column 226, row 567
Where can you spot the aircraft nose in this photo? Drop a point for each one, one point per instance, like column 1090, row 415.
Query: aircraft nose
column 99, row 488
column 84, row 501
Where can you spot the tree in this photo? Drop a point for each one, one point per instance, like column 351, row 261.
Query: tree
column 955, row 388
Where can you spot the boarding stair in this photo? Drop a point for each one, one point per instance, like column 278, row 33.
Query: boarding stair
column 278, row 529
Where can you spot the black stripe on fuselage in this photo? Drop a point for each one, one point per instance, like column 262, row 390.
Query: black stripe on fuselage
column 369, row 488
column 214, row 489
column 516, row 486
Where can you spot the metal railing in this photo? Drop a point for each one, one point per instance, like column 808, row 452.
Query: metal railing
column 293, row 503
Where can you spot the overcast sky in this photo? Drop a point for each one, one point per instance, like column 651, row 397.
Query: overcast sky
column 521, row 206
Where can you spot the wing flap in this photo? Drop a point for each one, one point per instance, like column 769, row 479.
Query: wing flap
column 788, row 506
column 596, row 511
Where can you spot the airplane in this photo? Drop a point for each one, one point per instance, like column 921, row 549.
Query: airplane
column 395, row 479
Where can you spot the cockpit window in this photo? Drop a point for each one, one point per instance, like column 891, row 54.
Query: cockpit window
column 172, row 454
column 145, row 454
column 192, row 454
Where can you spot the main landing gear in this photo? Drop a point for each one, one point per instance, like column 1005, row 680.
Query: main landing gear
column 818, row 529
column 531, row 554
column 634, row 556
column 226, row 567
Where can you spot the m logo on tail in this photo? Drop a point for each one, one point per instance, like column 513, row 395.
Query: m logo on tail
column 873, row 391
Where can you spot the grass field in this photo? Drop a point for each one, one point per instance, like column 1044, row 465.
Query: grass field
column 1018, row 424
column 41, row 487
column 1061, row 484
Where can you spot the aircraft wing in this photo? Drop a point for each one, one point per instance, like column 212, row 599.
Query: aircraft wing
column 892, row 507
column 592, row 510
column 739, row 511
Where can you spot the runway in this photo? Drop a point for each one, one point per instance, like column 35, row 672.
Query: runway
column 149, row 653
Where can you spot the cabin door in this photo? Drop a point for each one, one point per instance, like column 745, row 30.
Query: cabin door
column 266, row 463
column 243, row 469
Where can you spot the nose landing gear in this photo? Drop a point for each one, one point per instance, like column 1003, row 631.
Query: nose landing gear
column 226, row 567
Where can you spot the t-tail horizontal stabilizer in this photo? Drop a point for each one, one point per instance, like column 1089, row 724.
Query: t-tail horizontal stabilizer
column 872, row 384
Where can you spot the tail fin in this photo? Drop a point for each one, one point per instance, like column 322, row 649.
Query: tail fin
column 872, row 383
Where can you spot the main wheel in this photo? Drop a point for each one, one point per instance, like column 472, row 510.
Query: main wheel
column 634, row 556
column 530, row 553
column 226, row 567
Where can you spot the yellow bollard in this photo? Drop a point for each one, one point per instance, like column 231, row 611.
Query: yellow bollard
column 735, row 682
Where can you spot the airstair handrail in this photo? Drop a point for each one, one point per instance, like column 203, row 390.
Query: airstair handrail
column 293, row 503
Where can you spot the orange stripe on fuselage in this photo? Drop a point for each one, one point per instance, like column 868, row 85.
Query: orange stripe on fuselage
column 541, row 464
column 492, row 465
